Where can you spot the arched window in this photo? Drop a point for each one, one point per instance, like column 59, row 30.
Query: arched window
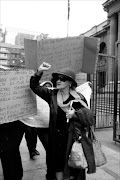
column 102, row 71
column 103, row 48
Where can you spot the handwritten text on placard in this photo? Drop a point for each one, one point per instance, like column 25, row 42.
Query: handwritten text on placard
column 16, row 98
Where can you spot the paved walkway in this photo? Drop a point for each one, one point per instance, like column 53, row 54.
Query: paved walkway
column 36, row 169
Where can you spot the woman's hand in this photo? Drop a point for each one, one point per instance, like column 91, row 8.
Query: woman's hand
column 44, row 66
column 70, row 113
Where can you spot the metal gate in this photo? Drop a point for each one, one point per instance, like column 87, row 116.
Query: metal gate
column 106, row 94
column 103, row 91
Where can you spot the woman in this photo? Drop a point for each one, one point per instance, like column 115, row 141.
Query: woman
column 62, row 121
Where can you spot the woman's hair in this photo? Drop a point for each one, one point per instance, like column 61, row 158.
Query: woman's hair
column 73, row 86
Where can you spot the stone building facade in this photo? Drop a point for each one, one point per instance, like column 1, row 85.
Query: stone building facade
column 112, row 7
column 109, row 30
column 12, row 55
column 109, row 33
column 19, row 39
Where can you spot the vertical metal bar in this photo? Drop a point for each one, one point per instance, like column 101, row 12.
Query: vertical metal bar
column 104, row 102
column 93, row 100
column 115, row 93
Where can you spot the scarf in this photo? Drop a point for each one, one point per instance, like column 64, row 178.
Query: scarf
column 66, row 107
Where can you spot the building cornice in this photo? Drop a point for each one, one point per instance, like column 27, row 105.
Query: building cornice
column 107, row 4
column 99, row 29
column 99, row 33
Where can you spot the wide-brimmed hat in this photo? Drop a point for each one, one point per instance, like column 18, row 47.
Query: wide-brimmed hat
column 68, row 73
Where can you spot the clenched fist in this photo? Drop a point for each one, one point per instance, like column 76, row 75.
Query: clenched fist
column 44, row 66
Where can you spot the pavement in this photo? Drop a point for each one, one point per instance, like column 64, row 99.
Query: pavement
column 36, row 169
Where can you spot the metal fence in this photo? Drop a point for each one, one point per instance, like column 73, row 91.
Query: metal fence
column 106, row 95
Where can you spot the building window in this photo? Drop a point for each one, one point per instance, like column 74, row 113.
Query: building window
column 103, row 48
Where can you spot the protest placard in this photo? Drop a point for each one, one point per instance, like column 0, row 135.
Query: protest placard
column 16, row 98
column 78, row 53
column 30, row 47
column 41, row 119
column 90, row 51
column 86, row 91
column 60, row 53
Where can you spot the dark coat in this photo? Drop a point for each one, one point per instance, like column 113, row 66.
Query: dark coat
column 10, row 139
column 50, row 96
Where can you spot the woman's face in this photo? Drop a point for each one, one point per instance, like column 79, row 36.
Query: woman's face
column 62, row 82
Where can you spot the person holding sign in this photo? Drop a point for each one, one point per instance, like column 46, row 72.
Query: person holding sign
column 63, row 119
column 10, row 139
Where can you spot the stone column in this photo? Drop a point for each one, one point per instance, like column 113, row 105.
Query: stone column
column 112, row 41
column 119, row 26
column 113, row 34
column 118, row 46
